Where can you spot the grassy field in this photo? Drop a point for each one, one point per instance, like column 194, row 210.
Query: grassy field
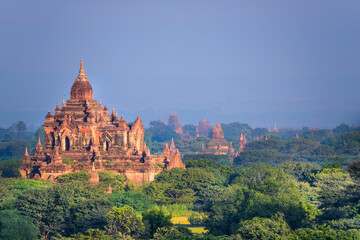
column 180, row 220
column 183, row 220
column 197, row 229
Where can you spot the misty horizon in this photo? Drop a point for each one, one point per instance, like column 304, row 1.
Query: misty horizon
column 293, row 64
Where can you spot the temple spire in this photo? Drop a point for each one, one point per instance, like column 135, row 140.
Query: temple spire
column 82, row 70
column 26, row 152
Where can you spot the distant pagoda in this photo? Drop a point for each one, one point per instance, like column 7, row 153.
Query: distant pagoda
column 83, row 136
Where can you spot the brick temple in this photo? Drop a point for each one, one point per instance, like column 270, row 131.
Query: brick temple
column 83, row 136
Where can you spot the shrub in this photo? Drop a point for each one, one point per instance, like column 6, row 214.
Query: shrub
column 70, row 177
column 137, row 200
column 197, row 219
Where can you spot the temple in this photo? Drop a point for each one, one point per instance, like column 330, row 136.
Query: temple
column 83, row 136
column 219, row 146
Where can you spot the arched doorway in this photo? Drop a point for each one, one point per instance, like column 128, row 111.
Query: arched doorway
column 67, row 144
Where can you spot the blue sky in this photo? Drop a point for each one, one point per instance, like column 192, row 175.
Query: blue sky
column 294, row 63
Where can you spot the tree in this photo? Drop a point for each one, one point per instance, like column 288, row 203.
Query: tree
column 106, row 179
column 13, row 226
column 65, row 208
column 91, row 234
column 304, row 172
column 83, row 176
column 155, row 219
column 161, row 132
column 174, row 232
column 179, row 185
column 333, row 185
column 10, row 168
column 250, row 157
column 137, row 200
column 299, row 145
column 264, row 144
column 265, row 228
column 48, row 208
column 259, row 191
column 342, row 128
column 326, row 233
column 21, row 127
column 354, row 170
column 232, row 131
column 124, row 220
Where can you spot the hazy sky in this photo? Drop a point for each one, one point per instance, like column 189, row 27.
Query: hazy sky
column 294, row 63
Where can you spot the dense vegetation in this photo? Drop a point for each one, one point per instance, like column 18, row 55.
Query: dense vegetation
column 282, row 188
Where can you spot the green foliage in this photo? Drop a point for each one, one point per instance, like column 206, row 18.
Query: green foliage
column 354, row 170
column 268, row 156
column 304, row 172
column 342, row 128
column 25, row 185
column 154, row 146
column 17, row 130
column 155, row 219
column 263, row 191
column 161, row 132
column 298, row 146
column 216, row 159
column 189, row 128
column 233, row 130
column 190, row 146
column 332, row 185
column 10, row 168
column 65, row 208
column 71, row 177
column 49, row 209
column 106, row 179
column 273, row 136
column 288, row 133
column 124, row 220
column 13, row 226
column 345, row 224
column 347, row 143
column 174, row 232
column 179, row 185
column 13, row 148
column 177, row 210
column 316, row 135
column 137, row 200
column 91, row 234
column 326, row 233
column 68, row 161
column 197, row 219
column 264, row 144
column 259, row 132
column 265, row 228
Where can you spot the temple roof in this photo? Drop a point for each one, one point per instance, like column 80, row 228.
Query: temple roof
column 81, row 89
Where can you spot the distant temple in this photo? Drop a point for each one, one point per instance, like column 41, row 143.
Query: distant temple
column 275, row 129
column 218, row 145
column 83, row 136
column 203, row 128
column 174, row 123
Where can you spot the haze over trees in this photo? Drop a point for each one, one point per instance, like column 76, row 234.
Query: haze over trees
column 280, row 188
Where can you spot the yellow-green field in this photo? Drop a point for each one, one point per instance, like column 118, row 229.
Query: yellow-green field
column 180, row 220
column 197, row 229
column 185, row 221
